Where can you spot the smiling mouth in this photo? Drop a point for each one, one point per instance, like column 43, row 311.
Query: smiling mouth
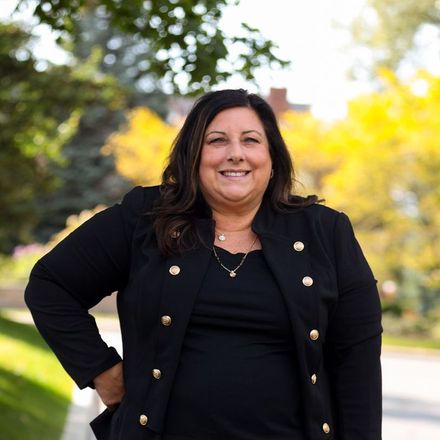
column 234, row 173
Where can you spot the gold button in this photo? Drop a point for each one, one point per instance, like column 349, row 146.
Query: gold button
column 298, row 246
column 326, row 428
column 314, row 334
column 143, row 419
column 313, row 378
column 307, row 281
column 165, row 320
column 174, row 270
column 157, row 374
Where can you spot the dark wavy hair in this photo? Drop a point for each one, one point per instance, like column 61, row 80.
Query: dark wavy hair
column 181, row 201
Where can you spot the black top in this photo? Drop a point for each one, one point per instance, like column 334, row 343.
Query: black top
column 237, row 377
column 117, row 250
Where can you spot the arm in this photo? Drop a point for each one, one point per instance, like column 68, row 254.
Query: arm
column 89, row 264
column 354, row 341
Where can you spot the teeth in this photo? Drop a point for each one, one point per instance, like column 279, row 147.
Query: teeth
column 234, row 173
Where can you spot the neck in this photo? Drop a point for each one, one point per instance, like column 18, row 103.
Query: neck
column 234, row 220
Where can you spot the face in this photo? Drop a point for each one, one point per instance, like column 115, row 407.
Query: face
column 235, row 163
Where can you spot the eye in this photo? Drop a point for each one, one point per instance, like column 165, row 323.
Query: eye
column 216, row 140
column 251, row 140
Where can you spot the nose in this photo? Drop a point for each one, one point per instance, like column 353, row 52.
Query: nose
column 235, row 152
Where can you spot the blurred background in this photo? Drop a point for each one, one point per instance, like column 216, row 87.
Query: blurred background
column 93, row 92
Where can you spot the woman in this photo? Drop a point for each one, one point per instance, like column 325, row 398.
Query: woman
column 246, row 312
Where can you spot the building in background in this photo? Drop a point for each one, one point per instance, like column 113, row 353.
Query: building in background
column 278, row 101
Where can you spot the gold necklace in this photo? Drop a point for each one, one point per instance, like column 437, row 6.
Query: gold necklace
column 233, row 272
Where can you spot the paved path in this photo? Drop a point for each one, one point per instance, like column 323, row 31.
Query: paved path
column 85, row 403
column 411, row 405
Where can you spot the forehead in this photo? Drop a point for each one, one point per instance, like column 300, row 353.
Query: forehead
column 236, row 118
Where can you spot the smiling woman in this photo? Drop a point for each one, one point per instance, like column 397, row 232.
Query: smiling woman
column 235, row 163
column 228, row 156
column 246, row 311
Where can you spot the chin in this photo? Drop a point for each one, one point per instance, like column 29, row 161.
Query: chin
column 237, row 197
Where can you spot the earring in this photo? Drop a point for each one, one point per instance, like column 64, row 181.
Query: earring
column 271, row 174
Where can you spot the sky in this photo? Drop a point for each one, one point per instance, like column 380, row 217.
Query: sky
column 312, row 34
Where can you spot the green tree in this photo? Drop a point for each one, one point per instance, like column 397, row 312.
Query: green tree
column 186, row 51
column 87, row 177
column 39, row 111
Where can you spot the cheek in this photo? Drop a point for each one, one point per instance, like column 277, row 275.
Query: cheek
column 210, row 161
column 207, row 169
column 263, row 161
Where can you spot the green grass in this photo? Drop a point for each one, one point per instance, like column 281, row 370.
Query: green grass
column 402, row 341
column 35, row 391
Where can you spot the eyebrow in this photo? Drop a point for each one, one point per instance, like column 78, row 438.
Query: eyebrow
column 252, row 131
column 244, row 132
column 215, row 131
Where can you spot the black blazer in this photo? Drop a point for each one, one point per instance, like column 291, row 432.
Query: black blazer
column 327, row 284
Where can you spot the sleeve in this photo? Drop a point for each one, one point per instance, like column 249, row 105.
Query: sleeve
column 89, row 264
column 354, row 341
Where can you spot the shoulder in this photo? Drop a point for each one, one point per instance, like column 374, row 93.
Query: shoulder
column 315, row 218
column 318, row 214
column 140, row 199
column 326, row 223
column 329, row 220
column 334, row 230
column 322, row 212
column 312, row 207
column 135, row 204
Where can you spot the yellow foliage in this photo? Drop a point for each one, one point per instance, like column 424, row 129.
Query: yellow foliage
column 142, row 147
column 309, row 145
column 381, row 165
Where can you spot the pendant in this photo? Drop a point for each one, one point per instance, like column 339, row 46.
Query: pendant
column 232, row 274
column 222, row 237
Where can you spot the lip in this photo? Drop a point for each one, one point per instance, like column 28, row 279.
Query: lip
column 234, row 174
